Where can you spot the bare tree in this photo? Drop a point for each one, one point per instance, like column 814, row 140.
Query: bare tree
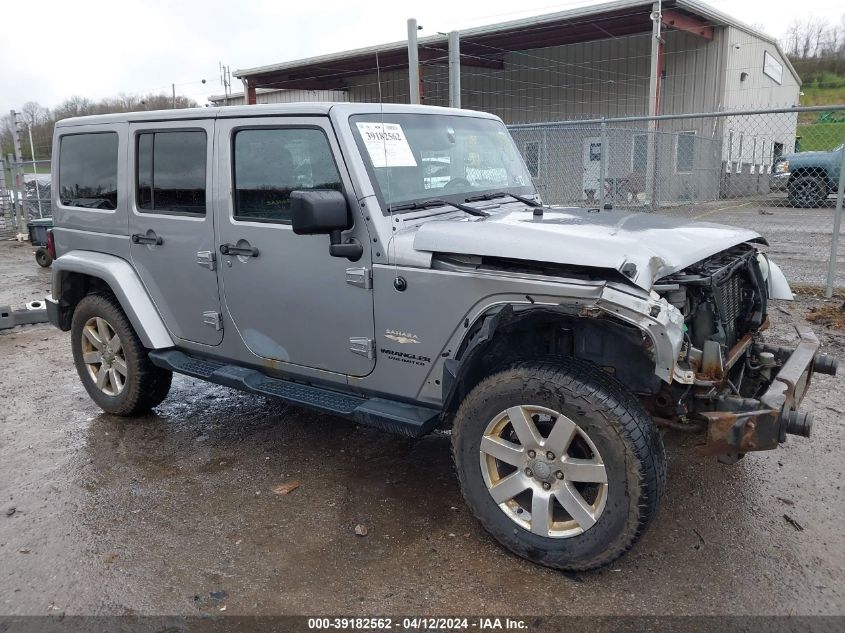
column 813, row 38
column 128, row 102
column 817, row 31
column 74, row 106
column 6, row 126
column 41, row 120
column 33, row 113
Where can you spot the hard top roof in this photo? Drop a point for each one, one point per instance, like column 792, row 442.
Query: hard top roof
column 275, row 109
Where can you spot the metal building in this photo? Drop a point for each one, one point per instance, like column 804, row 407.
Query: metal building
column 606, row 60
column 585, row 62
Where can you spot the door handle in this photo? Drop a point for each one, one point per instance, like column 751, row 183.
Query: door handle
column 231, row 249
column 153, row 239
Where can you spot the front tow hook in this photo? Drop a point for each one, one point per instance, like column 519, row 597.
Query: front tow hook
column 798, row 423
column 825, row 364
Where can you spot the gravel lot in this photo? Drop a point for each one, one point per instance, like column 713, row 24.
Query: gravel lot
column 799, row 239
column 175, row 513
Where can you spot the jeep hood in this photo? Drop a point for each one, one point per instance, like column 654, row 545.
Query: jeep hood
column 648, row 246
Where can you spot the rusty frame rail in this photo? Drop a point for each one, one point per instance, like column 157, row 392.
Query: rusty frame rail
column 758, row 425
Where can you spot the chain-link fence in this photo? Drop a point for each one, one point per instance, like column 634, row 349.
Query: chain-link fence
column 777, row 172
column 8, row 225
column 25, row 192
column 774, row 171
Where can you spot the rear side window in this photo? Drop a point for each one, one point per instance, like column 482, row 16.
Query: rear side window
column 270, row 163
column 170, row 174
column 88, row 170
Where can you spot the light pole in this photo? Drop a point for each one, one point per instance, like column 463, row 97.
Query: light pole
column 34, row 169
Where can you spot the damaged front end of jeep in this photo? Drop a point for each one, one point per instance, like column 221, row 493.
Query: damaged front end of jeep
column 695, row 294
column 743, row 393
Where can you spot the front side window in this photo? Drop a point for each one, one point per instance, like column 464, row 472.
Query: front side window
column 171, row 172
column 88, row 170
column 272, row 162
column 417, row 157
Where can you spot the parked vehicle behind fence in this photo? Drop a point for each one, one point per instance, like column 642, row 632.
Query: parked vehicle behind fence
column 808, row 177
column 395, row 266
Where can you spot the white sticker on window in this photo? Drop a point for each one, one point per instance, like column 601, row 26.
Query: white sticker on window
column 386, row 144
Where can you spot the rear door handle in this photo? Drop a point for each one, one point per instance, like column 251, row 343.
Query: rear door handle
column 231, row 249
column 153, row 239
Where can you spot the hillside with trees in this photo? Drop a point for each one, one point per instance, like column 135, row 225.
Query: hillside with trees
column 817, row 50
column 41, row 120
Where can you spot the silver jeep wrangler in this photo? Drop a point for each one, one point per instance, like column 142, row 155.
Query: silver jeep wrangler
column 394, row 265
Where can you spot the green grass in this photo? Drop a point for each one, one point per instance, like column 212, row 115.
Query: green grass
column 28, row 169
column 821, row 136
column 821, row 89
column 826, row 89
column 823, row 96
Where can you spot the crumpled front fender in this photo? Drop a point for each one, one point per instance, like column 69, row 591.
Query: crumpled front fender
column 778, row 286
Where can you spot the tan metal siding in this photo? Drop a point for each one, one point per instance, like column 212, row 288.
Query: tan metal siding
column 297, row 96
column 365, row 88
column 285, row 96
column 601, row 78
column 758, row 90
column 692, row 71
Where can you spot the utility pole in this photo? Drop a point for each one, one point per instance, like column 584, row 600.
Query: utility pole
column 454, row 69
column 654, row 100
column 34, row 169
column 656, row 59
column 3, row 189
column 173, row 86
column 837, row 224
column 17, row 177
column 226, row 80
column 16, row 139
column 413, row 62
column 603, row 164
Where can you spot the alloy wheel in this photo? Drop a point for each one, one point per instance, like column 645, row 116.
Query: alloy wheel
column 102, row 353
column 806, row 193
column 543, row 471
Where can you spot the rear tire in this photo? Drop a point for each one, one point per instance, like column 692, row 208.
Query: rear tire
column 111, row 361
column 586, row 481
column 42, row 256
column 807, row 191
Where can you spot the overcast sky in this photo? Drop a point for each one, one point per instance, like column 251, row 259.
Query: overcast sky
column 99, row 48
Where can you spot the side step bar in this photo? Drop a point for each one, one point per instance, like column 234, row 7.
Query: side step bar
column 396, row 417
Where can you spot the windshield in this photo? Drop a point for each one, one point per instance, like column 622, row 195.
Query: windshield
column 417, row 157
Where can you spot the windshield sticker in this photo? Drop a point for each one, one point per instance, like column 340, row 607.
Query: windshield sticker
column 386, row 144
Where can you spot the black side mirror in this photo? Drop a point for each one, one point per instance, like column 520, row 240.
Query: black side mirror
column 321, row 212
column 318, row 212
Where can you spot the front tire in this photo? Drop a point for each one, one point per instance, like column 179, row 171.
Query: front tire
column 807, row 192
column 111, row 361
column 559, row 462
